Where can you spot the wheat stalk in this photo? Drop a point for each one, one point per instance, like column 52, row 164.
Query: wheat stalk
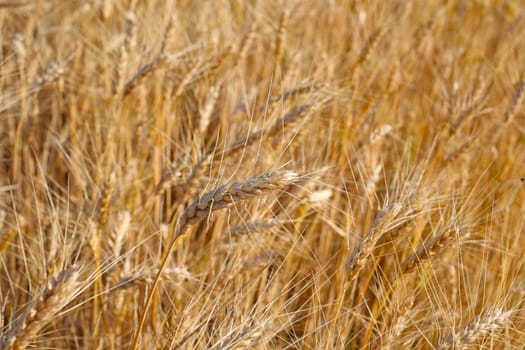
column 225, row 196
column 57, row 294
column 255, row 136
column 206, row 112
column 244, row 46
column 476, row 330
column 468, row 111
column 51, row 73
column 130, row 42
column 142, row 73
column 203, row 206
column 188, row 78
column 362, row 252
column 203, row 163
column 246, row 338
column 131, row 29
column 364, row 56
column 107, row 192
column 398, row 323
column 253, row 226
column 160, row 59
column 517, row 99
column 427, row 250
column 148, row 277
column 281, row 36
column 117, row 235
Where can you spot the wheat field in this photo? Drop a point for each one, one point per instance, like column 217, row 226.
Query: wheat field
column 262, row 174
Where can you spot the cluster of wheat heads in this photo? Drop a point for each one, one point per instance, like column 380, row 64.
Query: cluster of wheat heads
column 262, row 174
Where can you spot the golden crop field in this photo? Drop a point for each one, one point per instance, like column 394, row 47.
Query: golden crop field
column 262, row 174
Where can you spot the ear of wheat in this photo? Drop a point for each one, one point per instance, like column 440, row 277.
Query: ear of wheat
column 204, row 205
column 476, row 330
column 56, row 295
column 427, row 250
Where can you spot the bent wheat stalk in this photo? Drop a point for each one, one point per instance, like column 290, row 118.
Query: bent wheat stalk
column 202, row 206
